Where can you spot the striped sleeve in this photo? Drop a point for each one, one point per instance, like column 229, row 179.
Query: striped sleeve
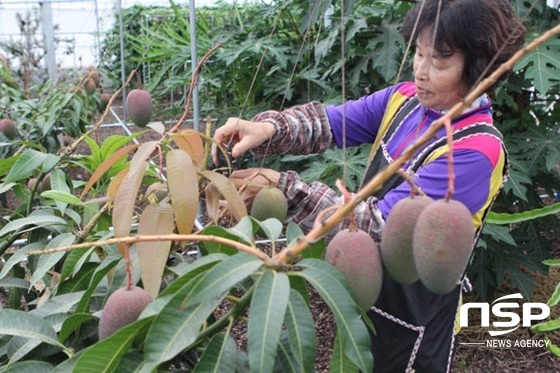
column 302, row 129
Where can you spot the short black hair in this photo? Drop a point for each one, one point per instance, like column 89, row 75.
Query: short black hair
column 487, row 32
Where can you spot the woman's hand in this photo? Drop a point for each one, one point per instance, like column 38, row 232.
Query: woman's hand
column 243, row 133
column 251, row 180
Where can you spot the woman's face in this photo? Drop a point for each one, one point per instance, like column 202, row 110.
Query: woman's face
column 438, row 79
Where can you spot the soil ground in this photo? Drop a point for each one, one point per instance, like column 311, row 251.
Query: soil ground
column 468, row 358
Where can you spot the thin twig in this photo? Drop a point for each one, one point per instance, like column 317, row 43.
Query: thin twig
column 192, row 85
column 151, row 238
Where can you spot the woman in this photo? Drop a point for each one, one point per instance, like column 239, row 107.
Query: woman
column 457, row 42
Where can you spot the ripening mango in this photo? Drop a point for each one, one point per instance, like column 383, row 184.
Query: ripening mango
column 442, row 244
column 356, row 255
column 396, row 243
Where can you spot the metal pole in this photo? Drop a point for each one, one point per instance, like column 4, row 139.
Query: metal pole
column 194, row 62
column 48, row 34
column 97, row 34
column 123, row 73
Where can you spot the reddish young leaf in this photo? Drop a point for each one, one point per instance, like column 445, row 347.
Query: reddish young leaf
column 183, row 189
column 229, row 191
column 156, row 219
column 106, row 165
column 191, row 143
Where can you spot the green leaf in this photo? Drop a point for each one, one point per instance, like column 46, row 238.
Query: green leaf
column 80, row 281
column 24, row 324
column 18, row 257
column 105, row 355
column 216, row 247
column 38, row 218
column 174, row 329
column 495, row 218
column 244, row 229
column 61, row 196
column 222, row 277
column 105, row 267
column 499, row 233
column 218, row 356
column 301, row 331
column 272, row 228
column 315, row 250
column 387, row 50
column 25, row 165
column 30, row 366
column 329, row 283
column 553, row 348
column 555, row 297
column 14, row 282
column 58, row 183
column 72, row 323
column 47, row 261
column 339, row 362
column 542, row 65
column 72, row 259
column 268, row 307
column 546, row 326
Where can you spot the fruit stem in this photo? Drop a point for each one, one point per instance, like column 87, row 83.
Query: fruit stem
column 128, row 266
column 414, row 189
column 451, row 173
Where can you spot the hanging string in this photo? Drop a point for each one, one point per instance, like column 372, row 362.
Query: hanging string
column 343, row 72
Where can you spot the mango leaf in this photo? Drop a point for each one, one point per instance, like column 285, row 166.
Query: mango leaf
column 183, row 284
column 47, row 261
column 61, row 196
column 339, row 361
column 14, row 282
column 19, row 256
column 496, row 218
column 268, row 306
column 105, row 355
column 27, row 366
column 72, row 259
column 25, row 324
column 286, row 362
column 245, row 229
column 156, row 219
column 58, row 183
column 80, row 281
column 38, row 218
column 222, row 277
column 191, row 143
column 72, row 323
column 272, row 228
column 209, row 247
column 183, row 189
column 124, row 203
column 330, row 285
column 105, row 267
column 115, row 183
column 315, row 250
column 106, row 165
column 301, row 332
column 230, row 193
column 218, row 356
column 212, row 198
column 174, row 329
column 25, row 165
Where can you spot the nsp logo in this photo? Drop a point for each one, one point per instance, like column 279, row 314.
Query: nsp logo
column 499, row 309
